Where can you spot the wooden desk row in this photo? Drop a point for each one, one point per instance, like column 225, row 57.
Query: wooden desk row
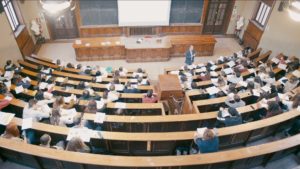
column 45, row 62
column 164, row 143
column 246, row 158
column 154, row 123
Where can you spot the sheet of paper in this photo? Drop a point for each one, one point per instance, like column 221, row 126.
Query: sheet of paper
column 119, row 87
column 120, row 105
column 48, row 95
column 134, row 74
column 283, row 80
column 69, row 112
column 19, row 89
column 98, row 79
column 200, row 64
column 243, row 83
column 78, row 42
column 43, row 85
column 212, row 90
column 266, row 88
column 214, row 67
column 256, row 93
column 8, row 84
column 8, row 74
column 296, row 73
column 100, row 104
column 214, row 80
column 83, row 133
column 231, row 63
column 228, row 71
column 135, row 80
column 251, row 70
column 27, row 123
column 213, row 73
column 282, row 66
column 99, row 118
column 275, row 60
column 6, row 118
column 201, row 131
column 283, row 96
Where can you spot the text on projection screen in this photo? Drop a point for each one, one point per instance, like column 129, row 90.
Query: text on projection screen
column 144, row 12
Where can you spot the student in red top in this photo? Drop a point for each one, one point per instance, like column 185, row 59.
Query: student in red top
column 150, row 97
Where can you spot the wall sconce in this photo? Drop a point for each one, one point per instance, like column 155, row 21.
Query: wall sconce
column 293, row 8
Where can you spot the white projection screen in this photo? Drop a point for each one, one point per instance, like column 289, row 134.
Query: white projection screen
column 144, row 12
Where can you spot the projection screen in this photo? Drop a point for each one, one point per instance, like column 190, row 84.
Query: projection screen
column 144, row 12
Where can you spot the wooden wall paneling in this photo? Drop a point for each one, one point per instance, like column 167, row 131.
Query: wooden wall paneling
column 252, row 35
column 25, row 42
column 101, row 31
column 228, row 13
column 78, row 16
column 204, row 11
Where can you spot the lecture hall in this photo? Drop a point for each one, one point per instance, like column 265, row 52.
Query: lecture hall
column 158, row 84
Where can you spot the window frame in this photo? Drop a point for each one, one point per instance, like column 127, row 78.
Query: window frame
column 11, row 14
column 262, row 13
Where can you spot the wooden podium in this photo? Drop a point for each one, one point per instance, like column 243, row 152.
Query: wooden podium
column 169, row 85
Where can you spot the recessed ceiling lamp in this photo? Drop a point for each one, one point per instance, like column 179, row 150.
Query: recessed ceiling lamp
column 56, row 6
column 294, row 10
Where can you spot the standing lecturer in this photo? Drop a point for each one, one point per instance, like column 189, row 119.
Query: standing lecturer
column 190, row 55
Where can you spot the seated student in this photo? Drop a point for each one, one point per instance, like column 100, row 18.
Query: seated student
column 4, row 91
column 113, row 95
column 142, row 81
column 122, row 71
column 270, row 79
column 77, row 145
column 229, row 117
column 12, row 132
column 208, row 143
column 81, row 85
column 236, row 78
column 9, row 66
column 129, row 89
column 185, row 83
column 86, row 96
column 295, row 128
column 262, row 73
column 294, row 64
column 293, row 104
column 272, row 107
column 105, row 98
column 70, row 65
column 291, row 84
column 221, row 82
column 234, row 101
column 60, row 103
column 35, row 111
column 258, row 83
column 116, row 74
column 45, row 141
column 55, row 118
column 91, row 107
column 18, row 81
column 204, row 76
column 150, row 97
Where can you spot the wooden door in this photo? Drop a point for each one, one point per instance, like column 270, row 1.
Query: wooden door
column 62, row 26
column 218, row 16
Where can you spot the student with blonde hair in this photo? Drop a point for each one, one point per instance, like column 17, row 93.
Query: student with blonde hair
column 208, row 142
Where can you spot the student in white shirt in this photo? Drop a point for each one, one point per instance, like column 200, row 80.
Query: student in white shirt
column 34, row 111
